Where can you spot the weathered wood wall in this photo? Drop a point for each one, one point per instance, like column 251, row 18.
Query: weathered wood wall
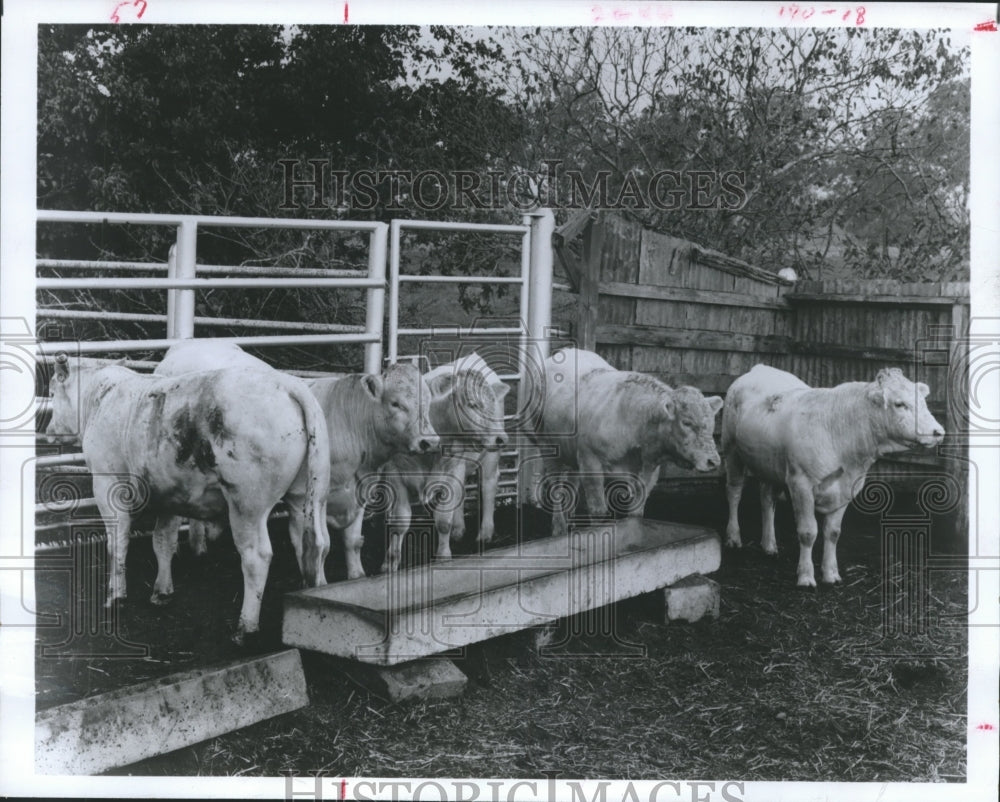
column 690, row 315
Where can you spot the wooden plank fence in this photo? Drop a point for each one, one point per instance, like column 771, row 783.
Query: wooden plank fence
column 690, row 315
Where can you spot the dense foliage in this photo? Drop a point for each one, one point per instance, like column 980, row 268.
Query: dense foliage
column 848, row 149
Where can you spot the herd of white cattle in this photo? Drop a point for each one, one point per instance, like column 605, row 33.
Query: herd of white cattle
column 217, row 435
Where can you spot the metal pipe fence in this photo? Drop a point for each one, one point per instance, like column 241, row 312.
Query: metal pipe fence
column 184, row 277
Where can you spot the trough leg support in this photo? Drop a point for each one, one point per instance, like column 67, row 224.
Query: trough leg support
column 691, row 599
column 437, row 678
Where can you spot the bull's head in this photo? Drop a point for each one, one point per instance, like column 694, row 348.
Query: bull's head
column 903, row 408
column 405, row 400
column 468, row 408
column 64, row 393
column 688, row 427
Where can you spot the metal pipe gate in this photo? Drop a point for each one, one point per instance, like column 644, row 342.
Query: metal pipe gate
column 184, row 277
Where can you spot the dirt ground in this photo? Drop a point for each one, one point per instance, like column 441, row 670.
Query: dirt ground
column 787, row 684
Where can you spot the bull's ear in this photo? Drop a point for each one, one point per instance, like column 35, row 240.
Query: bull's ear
column 442, row 384
column 715, row 403
column 882, row 376
column 62, row 367
column 877, row 394
column 500, row 390
column 669, row 407
column 373, row 386
column 923, row 389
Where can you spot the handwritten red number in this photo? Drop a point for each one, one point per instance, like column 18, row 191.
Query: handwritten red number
column 861, row 16
column 597, row 14
column 808, row 12
column 138, row 4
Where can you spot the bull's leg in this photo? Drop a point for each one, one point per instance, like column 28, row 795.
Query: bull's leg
column 296, row 528
column 254, row 546
column 344, row 514
column 353, row 541
column 200, row 532
column 767, row 539
column 164, row 547
column 736, row 475
column 489, row 480
column 118, row 523
column 397, row 522
column 648, row 477
column 444, row 521
column 831, row 534
column 804, row 507
column 592, row 477
column 450, row 522
column 311, row 546
column 197, row 537
column 450, row 527
column 564, row 503
column 558, row 489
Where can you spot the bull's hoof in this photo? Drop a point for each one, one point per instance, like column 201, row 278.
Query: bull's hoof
column 806, row 582
column 248, row 641
column 114, row 601
column 484, row 537
column 161, row 599
column 832, row 580
column 770, row 552
column 242, row 638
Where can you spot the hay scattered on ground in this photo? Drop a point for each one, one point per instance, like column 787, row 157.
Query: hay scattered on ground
column 788, row 684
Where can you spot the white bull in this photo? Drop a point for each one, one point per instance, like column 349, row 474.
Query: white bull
column 369, row 419
column 213, row 444
column 820, row 444
column 467, row 414
column 621, row 425
column 194, row 355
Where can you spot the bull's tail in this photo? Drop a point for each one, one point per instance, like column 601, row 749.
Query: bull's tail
column 315, row 537
column 729, row 410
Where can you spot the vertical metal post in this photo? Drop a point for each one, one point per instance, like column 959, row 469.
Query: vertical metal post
column 187, row 254
column 376, row 297
column 536, row 343
column 525, row 297
column 172, row 294
column 956, row 423
column 393, row 344
column 590, row 284
column 543, row 225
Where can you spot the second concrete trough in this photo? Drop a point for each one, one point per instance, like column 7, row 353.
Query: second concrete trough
column 393, row 618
